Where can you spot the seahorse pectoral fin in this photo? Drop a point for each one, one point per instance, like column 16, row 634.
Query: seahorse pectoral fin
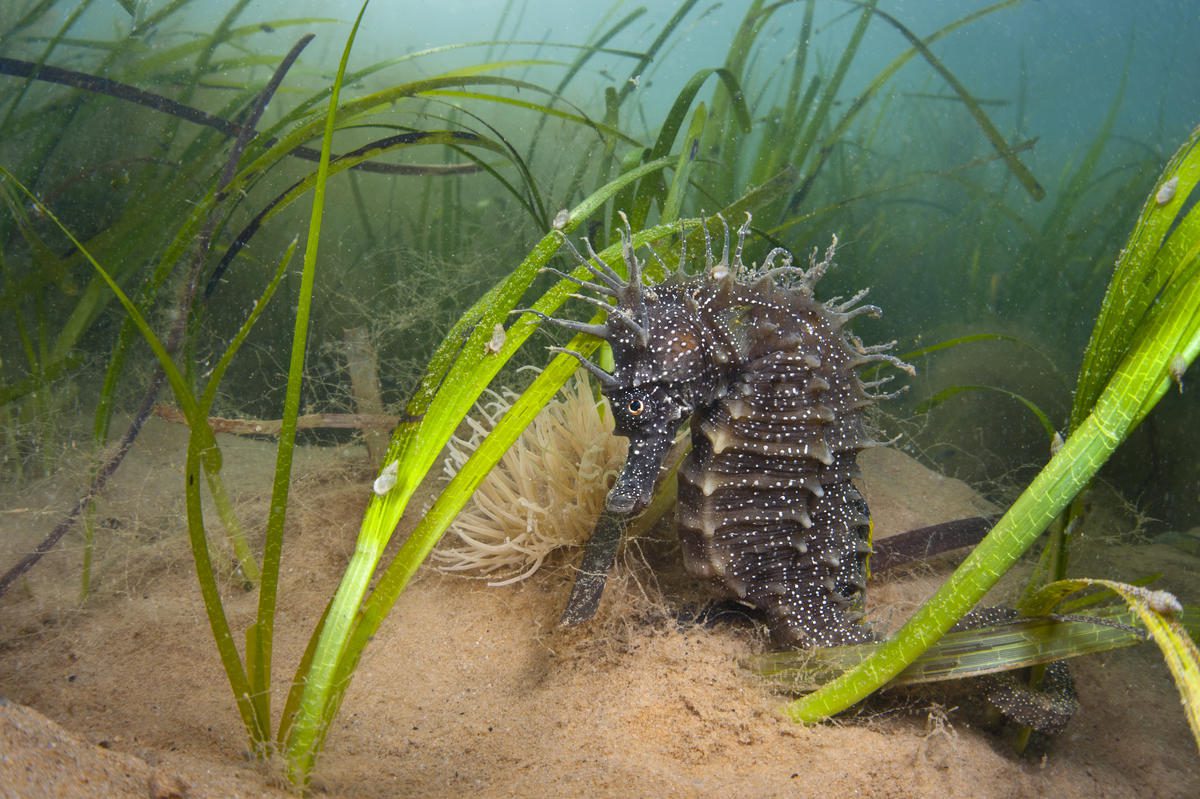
column 635, row 485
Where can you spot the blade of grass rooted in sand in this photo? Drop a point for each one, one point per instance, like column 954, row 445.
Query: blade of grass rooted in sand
column 260, row 636
column 460, row 370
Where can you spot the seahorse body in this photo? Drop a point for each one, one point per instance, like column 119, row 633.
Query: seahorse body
column 767, row 512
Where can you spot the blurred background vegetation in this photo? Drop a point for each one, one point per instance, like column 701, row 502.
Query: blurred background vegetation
column 982, row 165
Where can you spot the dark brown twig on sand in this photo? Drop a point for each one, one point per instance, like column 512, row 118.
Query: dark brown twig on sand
column 270, row 427
column 925, row 542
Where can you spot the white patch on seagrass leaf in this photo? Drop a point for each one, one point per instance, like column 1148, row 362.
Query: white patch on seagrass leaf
column 1177, row 368
column 1166, row 192
column 1163, row 602
column 386, row 480
column 498, row 338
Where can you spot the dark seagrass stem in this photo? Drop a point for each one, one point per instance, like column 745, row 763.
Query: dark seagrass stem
column 96, row 84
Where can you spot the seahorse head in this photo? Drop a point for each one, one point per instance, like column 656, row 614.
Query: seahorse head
column 660, row 377
column 661, row 371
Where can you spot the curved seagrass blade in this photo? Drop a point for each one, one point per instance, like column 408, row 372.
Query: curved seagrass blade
column 17, row 68
column 1029, row 641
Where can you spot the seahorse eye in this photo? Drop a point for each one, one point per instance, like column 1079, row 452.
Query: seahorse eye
column 635, row 407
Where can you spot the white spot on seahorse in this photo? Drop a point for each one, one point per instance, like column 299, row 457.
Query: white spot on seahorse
column 498, row 339
column 1166, row 192
column 386, row 480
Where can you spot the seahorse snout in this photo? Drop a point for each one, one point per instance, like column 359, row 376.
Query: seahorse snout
column 635, row 485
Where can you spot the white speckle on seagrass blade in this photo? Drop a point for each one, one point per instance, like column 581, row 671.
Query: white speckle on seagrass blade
column 1166, row 192
column 386, row 480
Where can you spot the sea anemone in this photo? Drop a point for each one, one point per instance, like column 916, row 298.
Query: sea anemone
column 545, row 493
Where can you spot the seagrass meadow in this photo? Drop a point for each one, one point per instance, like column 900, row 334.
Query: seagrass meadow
column 296, row 483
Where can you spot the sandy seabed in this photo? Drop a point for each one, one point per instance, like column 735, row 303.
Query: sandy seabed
column 471, row 690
